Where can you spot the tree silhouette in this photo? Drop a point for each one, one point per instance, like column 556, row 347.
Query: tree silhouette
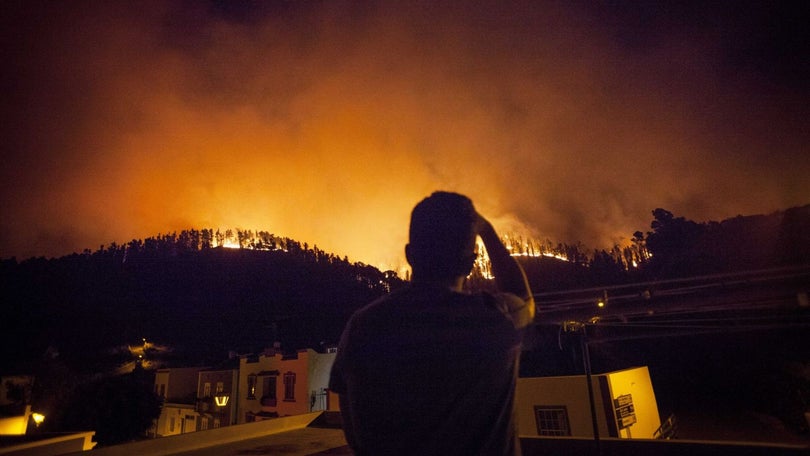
column 120, row 408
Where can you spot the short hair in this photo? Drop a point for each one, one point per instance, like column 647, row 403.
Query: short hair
column 442, row 234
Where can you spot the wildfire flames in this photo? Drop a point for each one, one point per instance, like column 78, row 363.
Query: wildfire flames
column 630, row 256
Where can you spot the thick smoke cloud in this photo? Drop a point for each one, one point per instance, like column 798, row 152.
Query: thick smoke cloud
column 326, row 121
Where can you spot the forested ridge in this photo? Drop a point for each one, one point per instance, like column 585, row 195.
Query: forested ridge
column 202, row 301
column 205, row 301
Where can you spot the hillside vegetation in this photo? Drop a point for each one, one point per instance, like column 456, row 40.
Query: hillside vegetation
column 204, row 301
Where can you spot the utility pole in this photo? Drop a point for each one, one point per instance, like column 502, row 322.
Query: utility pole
column 581, row 329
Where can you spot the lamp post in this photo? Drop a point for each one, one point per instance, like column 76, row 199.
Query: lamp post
column 580, row 328
column 221, row 399
column 38, row 418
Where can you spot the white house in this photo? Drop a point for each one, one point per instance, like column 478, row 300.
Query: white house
column 623, row 401
column 176, row 419
column 177, row 387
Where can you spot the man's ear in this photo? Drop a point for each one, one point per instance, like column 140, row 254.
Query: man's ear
column 409, row 254
column 466, row 265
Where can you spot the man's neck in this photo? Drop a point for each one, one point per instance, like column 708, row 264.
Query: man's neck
column 454, row 283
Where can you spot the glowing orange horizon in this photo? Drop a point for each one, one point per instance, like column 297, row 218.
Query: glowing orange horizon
column 327, row 124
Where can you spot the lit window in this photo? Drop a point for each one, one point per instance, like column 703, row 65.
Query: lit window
column 206, row 389
column 251, row 386
column 289, row 386
column 552, row 420
column 220, row 387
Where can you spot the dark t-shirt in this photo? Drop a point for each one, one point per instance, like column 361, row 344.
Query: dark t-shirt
column 429, row 371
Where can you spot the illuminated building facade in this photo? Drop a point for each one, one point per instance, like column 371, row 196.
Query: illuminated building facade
column 272, row 384
column 216, row 397
column 624, row 405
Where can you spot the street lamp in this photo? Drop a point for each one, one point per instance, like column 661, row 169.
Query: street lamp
column 221, row 399
column 602, row 300
column 38, row 418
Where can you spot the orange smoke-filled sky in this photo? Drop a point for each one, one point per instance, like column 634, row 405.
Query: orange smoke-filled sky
column 326, row 121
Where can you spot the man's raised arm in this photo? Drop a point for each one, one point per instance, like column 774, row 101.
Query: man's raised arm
column 509, row 276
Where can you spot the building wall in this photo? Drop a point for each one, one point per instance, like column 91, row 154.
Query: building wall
column 176, row 419
column 260, row 366
column 299, row 367
column 16, row 425
column 569, row 392
column 332, row 401
column 177, row 387
column 230, row 388
column 311, row 373
column 177, row 383
column 320, row 367
column 637, row 383
column 15, row 397
column 21, row 383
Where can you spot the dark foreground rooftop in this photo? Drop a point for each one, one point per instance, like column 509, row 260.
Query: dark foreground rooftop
column 318, row 434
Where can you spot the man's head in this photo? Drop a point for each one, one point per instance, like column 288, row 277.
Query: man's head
column 442, row 236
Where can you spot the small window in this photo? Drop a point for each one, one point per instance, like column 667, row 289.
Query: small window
column 220, row 387
column 552, row 420
column 269, row 387
column 289, row 386
column 216, row 423
column 204, row 423
column 206, row 389
column 251, row 386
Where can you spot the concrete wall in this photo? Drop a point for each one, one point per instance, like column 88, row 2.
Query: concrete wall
column 62, row 444
column 559, row 446
column 203, row 439
column 15, row 425
column 636, row 382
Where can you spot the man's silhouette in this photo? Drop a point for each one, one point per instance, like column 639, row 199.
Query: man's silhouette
column 429, row 370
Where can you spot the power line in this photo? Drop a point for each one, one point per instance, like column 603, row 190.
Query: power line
column 756, row 276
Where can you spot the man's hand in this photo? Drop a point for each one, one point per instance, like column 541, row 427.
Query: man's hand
column 508, row 274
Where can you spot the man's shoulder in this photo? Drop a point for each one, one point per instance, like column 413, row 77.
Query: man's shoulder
column 380, row 306
column 518, row 310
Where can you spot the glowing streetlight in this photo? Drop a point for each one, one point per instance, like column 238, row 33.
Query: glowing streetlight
column 602, row 301
column 38, row 418
column 221, row 400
